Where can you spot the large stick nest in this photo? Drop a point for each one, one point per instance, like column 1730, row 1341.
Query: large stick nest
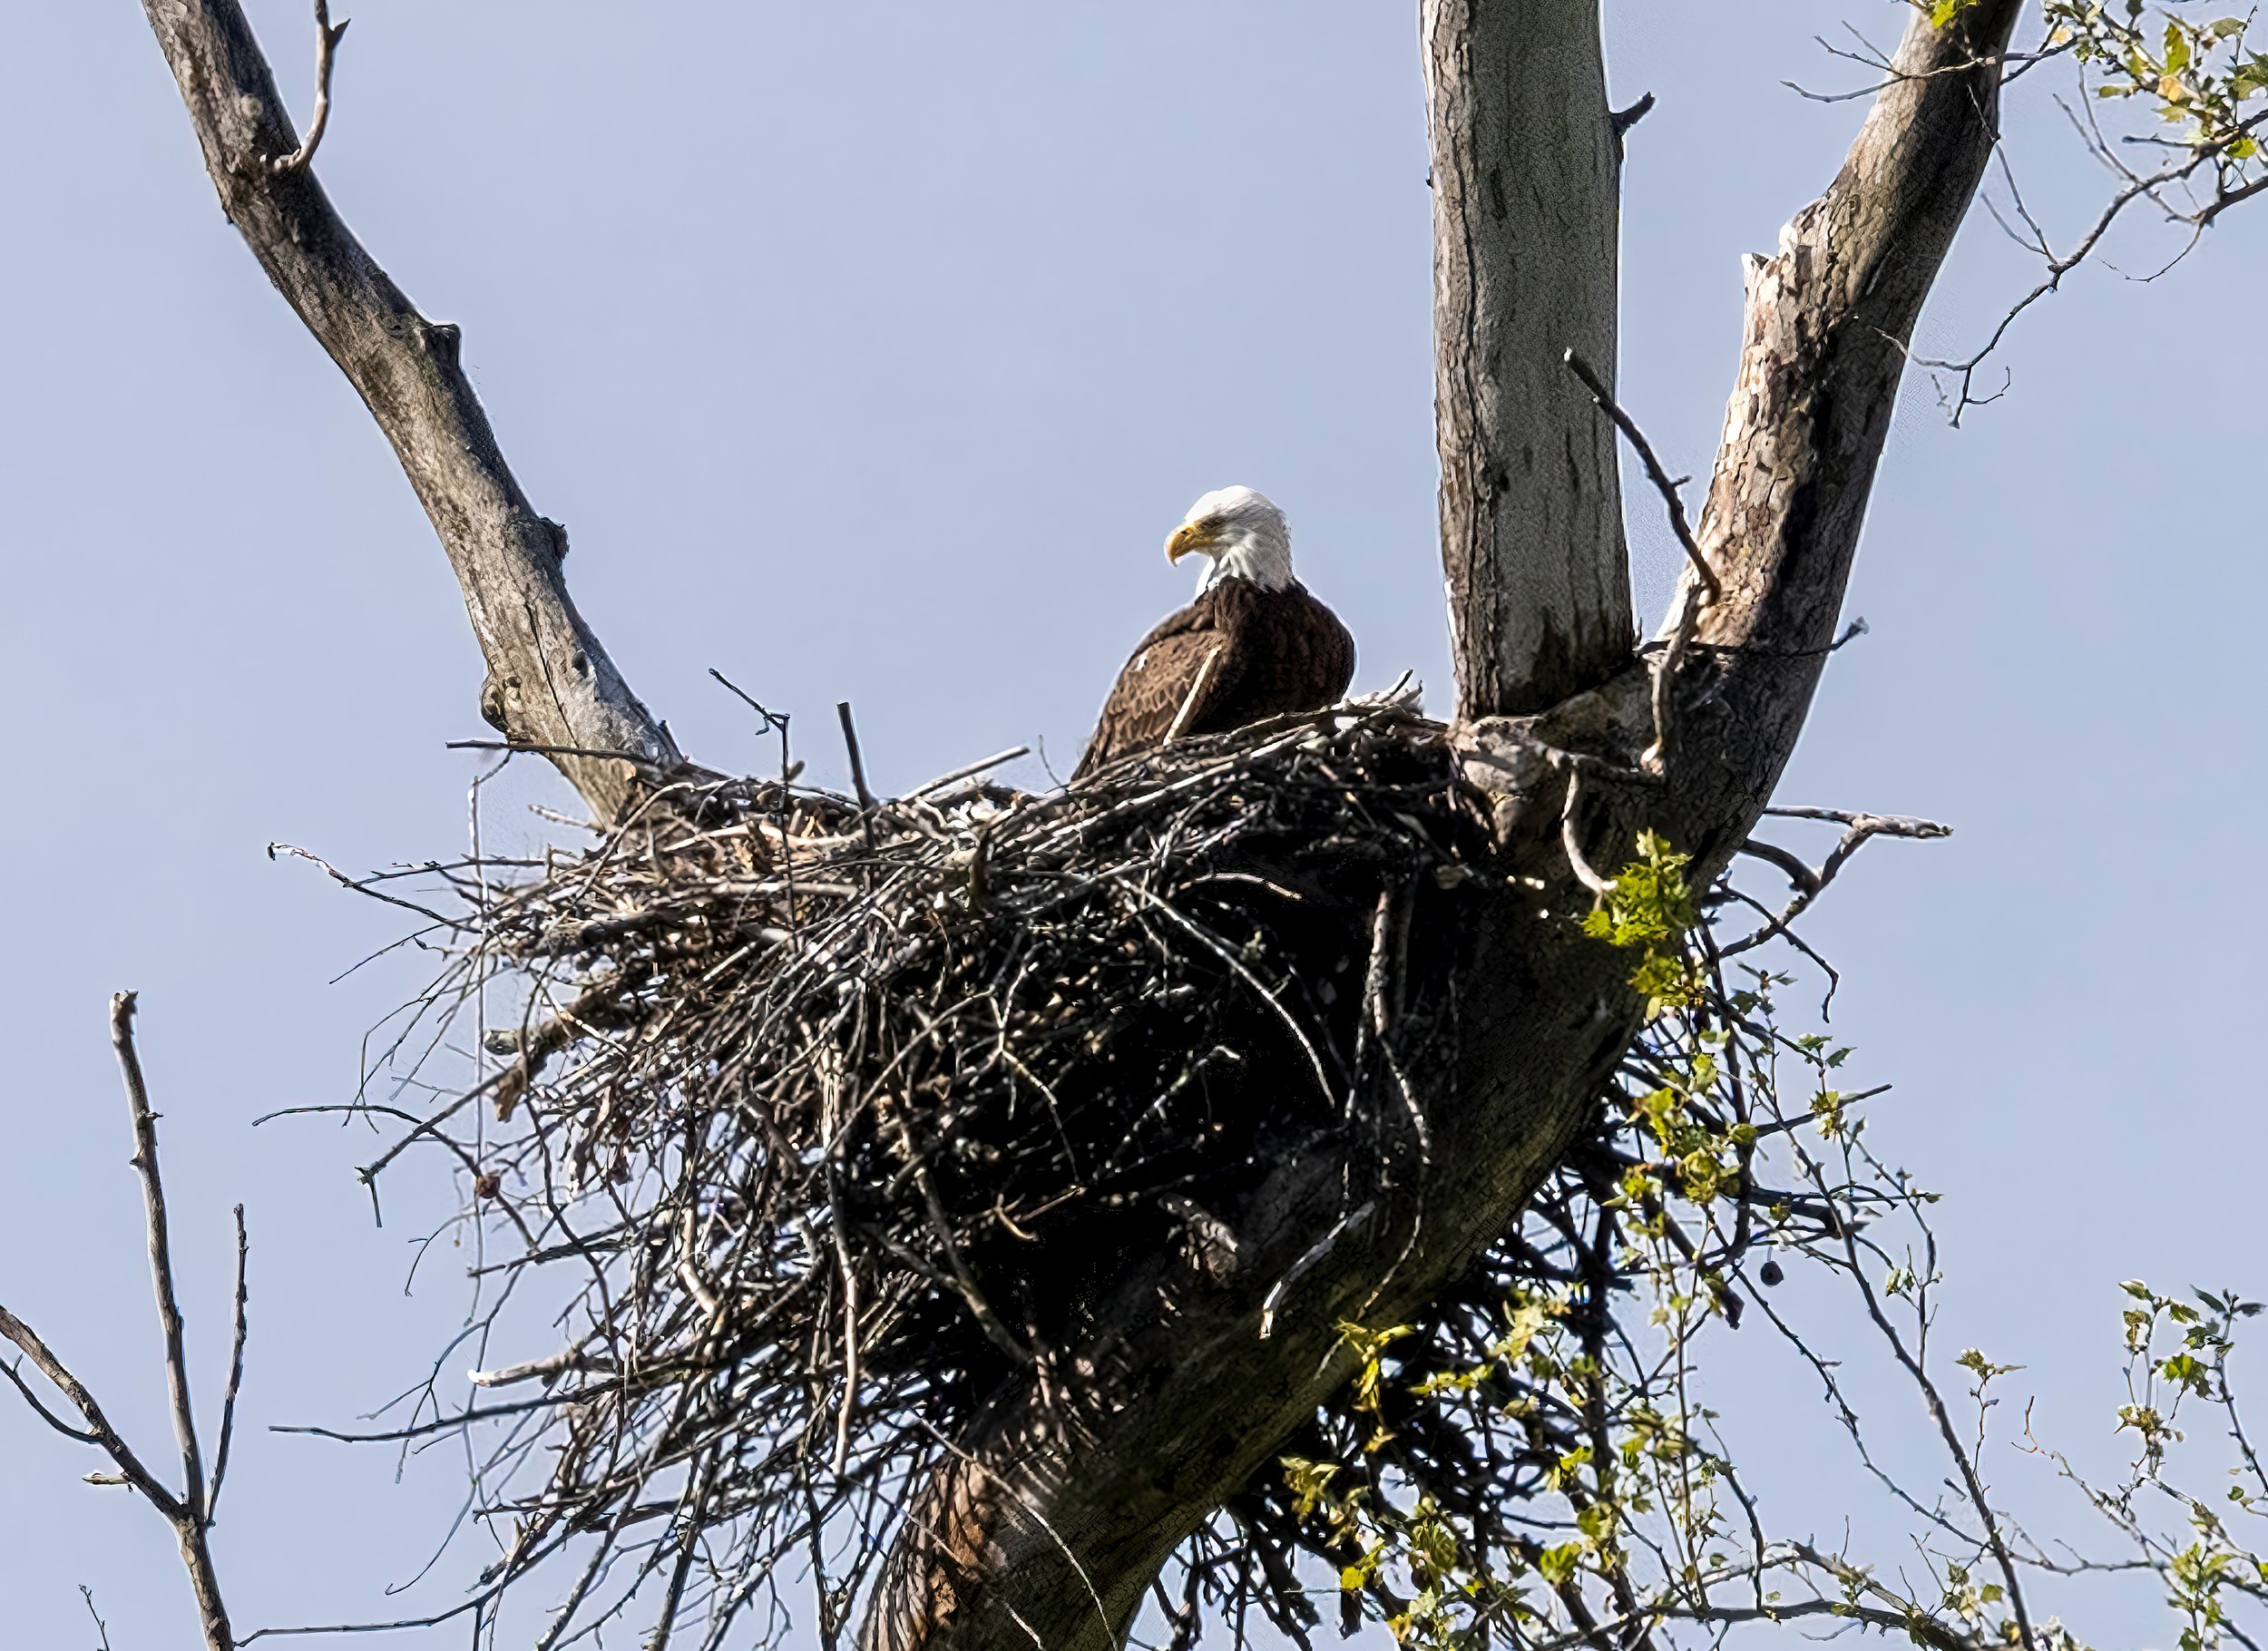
column 840, row 1119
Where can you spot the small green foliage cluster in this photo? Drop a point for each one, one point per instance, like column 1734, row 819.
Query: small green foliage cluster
column 2197, row 71
column 1651, row 909
column 2178, row 1357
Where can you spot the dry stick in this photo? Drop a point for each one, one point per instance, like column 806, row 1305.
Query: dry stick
column 831, row 1095
column 519, row 748
column 327, row 39
column 969, row 771
column 189, row 1514
column 858, row 773
column 1654, row 471
column 1571, row 842
column 145, row 1163
column 1697, row 596
column 1808, row 883
column 237, row 1331
column 1189, row 700
column 99, row 1430
column 101, row 1627
column 194, row 1516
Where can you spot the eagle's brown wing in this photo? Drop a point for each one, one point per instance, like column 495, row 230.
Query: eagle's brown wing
column 1186, row 652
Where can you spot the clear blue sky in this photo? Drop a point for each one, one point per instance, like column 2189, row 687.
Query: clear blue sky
column 869, row 353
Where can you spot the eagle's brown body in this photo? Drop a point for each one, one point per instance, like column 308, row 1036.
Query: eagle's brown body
column 1237, row 654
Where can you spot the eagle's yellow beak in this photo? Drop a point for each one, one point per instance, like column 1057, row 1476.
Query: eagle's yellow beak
column 1188, row 537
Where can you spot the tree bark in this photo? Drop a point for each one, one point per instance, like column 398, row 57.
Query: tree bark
column 1526, row 223
column 1031, row 1537
column 550, row 683
column 1827, row 321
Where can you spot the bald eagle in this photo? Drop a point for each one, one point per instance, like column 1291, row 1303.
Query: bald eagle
column 1252, row 645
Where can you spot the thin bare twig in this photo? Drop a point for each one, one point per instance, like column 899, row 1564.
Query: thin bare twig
column 145, row 1163
column 101, row 1628
column 238, row 1329
column 1654, row 471
column 327, row 39
column 1697, row 596
column 1808, row 883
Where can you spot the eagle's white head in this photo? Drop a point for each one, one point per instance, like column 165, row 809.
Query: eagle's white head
column 1241, row 534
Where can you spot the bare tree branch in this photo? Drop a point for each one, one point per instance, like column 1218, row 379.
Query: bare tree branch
column 101, row 1628
column 238, row 1329
column 1828, row 318
column 1809, row 883
column 145, row 1165
column 550, row 683
column 190, row 1512
column 99, row 1430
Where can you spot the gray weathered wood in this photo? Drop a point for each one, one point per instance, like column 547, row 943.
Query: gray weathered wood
column 550, row 683
column 1031, row 1537
column 1526, row 221
column 1828, row 318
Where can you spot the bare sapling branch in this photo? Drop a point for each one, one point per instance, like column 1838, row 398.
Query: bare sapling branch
column 238, row 1329
column 190, row 1511
column 145, row 1163
column 101, row 1628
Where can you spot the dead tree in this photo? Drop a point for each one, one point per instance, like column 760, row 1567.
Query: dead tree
column 1582, row 738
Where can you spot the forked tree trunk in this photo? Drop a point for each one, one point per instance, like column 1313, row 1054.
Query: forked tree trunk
column 1029, row 1535
column 1033, row 1539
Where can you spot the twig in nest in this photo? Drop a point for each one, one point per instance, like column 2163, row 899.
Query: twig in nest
column 969, row 771
column 858, row 771
column 327, row 39
column 1189, row 700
